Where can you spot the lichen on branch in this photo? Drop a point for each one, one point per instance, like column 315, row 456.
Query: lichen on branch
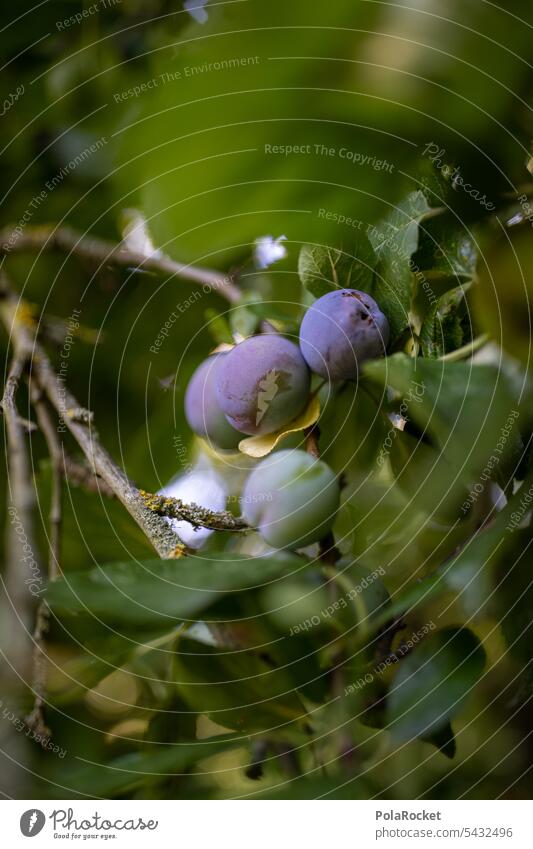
column 200, row 517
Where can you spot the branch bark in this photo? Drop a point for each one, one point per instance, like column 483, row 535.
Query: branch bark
column 24, row 578
column 165, row 541
column 22, row 559
column 198, row 516
column 51, row 237
column 35, row 719
column 81, row 475
column 53, row 444
column 149, row 511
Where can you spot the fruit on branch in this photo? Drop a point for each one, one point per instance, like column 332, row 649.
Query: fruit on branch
column 201, row 486
column 340, row 331
column 262, row 384
column 292, row 498
column 202, row 410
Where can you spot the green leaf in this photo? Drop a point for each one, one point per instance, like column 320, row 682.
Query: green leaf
column 99, row 659
column 352, row 427
column 515, row 600
column 395, row 240
column 163, row 592
column 237, row 689
column 447, row 252
column 218, row 326
column 443, row 328
column 279, row 316
column 514, row 605
column 433, row 683
column 502, row 301
column 462, row 406
column 244, row 320
column 323, row 269
column 470, row 573
column 426, row 478
column 138, row 769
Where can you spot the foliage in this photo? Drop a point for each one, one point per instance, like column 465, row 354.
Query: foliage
column 238, row 669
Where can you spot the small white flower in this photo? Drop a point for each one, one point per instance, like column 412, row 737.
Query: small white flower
column 135, row 235
column 201, row 633
column 269, row 250
column 196, row 10
column 204, row 488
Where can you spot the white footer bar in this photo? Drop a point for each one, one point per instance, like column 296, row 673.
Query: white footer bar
column 267, row 824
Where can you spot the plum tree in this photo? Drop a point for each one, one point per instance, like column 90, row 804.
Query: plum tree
column 340, row 331
column 292, row 498
column 202, row 410
column 262, row 384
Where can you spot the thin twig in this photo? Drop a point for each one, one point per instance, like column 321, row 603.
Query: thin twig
column 81, row 475
column 35, row 720
column 78, row 420
column 23, row 566
column 52, row 237
column 56, row 456
column 200, row 517
column 27, row 425
column 164, row 539
column 22, row 560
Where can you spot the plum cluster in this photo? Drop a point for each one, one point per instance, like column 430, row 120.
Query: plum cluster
column 261, row 385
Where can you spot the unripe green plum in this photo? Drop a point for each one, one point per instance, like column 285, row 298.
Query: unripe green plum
column 292, row 498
